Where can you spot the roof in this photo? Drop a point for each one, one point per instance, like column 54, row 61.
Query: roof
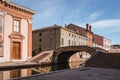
column 54, row 27
column 116, row 46
column 78, row 29
column 98, row 35
column 98, row 39
column 17, row 6
column 46, row 28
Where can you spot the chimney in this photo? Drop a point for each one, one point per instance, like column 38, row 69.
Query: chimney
column 90, row 27
column 87, row 26
column 65, row 25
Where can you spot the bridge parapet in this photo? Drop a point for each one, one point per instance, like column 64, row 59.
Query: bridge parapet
column 87, row 49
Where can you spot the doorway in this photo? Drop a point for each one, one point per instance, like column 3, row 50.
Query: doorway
column 16, row 50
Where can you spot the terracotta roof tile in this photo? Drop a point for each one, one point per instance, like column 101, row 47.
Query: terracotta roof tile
column 76, row 28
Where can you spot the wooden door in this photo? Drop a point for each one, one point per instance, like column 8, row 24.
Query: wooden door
column 16, row 50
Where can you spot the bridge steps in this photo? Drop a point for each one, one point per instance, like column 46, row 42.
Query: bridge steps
column 41, row 56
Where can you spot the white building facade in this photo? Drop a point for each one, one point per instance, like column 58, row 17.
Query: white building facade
column 15, row 32
column 106, row 44
column 71, row 38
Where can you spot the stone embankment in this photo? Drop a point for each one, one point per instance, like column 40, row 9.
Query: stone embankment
column 104, row 60
column 85, row 73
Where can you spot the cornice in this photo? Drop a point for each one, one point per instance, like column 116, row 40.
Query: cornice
column 7, row 3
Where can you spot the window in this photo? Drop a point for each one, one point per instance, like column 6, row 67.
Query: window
column 16, row 26
column 39, row 49
column 69, row 34
column 62, row 41
column 40, row 40
column 69, row 42
column 40, row 34
column 72, row 35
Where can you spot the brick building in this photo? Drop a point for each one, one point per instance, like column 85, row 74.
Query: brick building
column 101, row 42
column 98, row 41
column 86, row 32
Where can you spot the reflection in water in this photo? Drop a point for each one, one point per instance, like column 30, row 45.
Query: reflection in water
column 14, row 73
column 74, row 65
column 36, row 70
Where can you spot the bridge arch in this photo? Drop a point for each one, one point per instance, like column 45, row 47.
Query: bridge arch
column 64, row 53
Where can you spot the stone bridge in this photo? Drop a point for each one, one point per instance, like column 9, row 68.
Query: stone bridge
column 63, row 54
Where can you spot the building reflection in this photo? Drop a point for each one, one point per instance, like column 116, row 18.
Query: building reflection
column 4, row 75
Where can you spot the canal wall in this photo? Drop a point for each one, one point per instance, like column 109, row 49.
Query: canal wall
column 104, row 60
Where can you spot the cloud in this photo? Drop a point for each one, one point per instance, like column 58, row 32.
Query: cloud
column 97, row 14
column 106, row 23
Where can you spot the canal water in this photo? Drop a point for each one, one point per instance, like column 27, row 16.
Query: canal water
column 14, row 73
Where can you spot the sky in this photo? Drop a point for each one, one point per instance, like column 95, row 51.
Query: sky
column 102, row 15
